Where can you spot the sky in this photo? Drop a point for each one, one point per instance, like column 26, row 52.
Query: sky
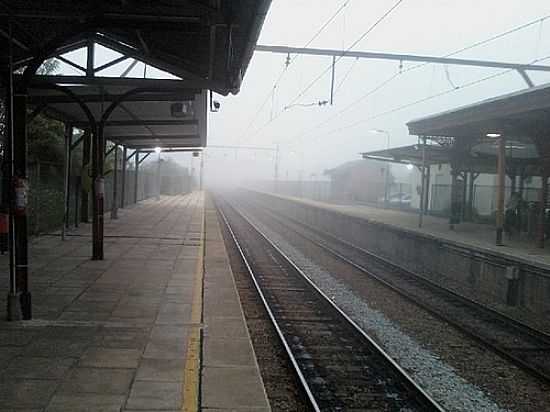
column 315, row 138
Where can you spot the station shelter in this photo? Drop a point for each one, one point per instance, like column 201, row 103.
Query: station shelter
column 185, row 52
column 507, row 137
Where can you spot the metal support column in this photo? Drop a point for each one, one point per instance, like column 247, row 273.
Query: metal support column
column 98, row 190
column 452, row 217
column 423, row 184
column 114, row 201
column 332, row 80
column 85, row 185
column 501, row 180
column 542, row 208
column 158, row 176
column 464, row 202
column 20, row 198
column 427, row 189
column 68, row 142
column 123, row 177
column 136, row 177
column 13, row 303
column 471, row 196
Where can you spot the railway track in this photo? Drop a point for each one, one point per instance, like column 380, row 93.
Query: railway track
column 525, row 346
column 339, row 366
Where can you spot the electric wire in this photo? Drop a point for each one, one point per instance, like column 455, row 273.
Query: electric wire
column 414, row 67
column 431, row 97
column 328, row 68
column 344, row 78
column 361, row 38
column 291, row 60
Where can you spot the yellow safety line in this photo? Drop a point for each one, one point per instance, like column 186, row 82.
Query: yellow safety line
column 191, row 380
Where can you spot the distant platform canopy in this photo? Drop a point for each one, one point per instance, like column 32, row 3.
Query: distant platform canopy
column 412, row 154
column 481, row 158
column 522, row 115
column 506, row 135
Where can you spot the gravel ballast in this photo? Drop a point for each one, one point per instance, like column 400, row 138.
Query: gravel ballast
column 435, row 376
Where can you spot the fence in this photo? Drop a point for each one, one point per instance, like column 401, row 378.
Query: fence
column 47, row 194
column 484, row 199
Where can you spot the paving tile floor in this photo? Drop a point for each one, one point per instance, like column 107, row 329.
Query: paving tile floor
column 108, row 335
column 231, row 379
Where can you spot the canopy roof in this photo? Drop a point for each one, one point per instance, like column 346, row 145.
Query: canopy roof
column 412, row 154
column 522, row 115
column 161, row 113
column 208, row 40
column 185, row 47
column 482, row 158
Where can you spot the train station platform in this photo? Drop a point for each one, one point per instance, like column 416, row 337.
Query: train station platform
column 470, row 235
column 156, row 325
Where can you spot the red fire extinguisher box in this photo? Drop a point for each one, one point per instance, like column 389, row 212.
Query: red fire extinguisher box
column 3, row 232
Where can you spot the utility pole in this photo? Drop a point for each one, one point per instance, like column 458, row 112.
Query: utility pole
column 276, row 171
column 387, row 167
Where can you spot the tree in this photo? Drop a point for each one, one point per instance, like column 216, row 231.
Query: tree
column 45, row 136
column 45, row 140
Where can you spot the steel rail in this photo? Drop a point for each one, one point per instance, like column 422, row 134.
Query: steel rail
column 293, row 361
column 397, row 368
column 534, row 333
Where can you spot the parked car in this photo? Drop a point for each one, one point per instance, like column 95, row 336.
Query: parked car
column 398, row 199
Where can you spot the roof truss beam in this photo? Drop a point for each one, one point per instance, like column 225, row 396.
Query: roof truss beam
column 156, row 137
column 96, row 98
column 156, row 84
column 146, row 122
column 174, row 150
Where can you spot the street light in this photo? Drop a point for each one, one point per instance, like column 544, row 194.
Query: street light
column 157, row 151
column 387, row 168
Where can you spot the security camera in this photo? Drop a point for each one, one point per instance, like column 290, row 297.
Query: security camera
column 216, row 105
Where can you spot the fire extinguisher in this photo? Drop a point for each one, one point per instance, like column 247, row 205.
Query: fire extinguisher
column 100, row 187
column 21, row 196
column 4, row 228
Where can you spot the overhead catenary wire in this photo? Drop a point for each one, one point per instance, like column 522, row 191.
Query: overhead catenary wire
column 355, row 43
column 414, row 67
column 289, row 61
column 425, row 99
column 329, row 67
column 346, row 75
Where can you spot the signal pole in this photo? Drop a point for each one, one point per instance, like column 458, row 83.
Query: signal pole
column 276, row 171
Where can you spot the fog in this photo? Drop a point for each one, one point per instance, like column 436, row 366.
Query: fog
column 313, row 139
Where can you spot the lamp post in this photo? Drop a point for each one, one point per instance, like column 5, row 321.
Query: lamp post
column 387, row 168
column 157, row 151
